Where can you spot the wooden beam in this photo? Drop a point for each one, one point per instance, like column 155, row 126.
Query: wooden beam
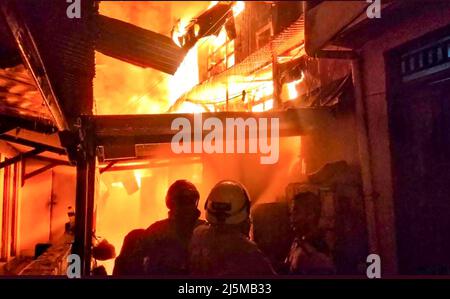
column 142, row 129
column 7, row 149
column 36, row 172
column 107, row 167
column 8, row 123
column 85, row 193
column 147, row 164
column 131, row 136
column 19, row 157
column 45, row 147
column 51, row 160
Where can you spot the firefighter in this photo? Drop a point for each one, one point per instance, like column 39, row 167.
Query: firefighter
column 223, row 248
column 162, row 249
column 309, row 253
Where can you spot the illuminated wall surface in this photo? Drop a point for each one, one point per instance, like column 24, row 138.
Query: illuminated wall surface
column 42, row 205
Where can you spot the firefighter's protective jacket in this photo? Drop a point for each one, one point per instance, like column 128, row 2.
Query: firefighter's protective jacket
column 216, row 251
column 161, row 249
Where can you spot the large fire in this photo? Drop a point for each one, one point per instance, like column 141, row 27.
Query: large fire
column 135, row 198
column 122, row 88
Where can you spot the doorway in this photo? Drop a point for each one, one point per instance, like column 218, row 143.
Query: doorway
column 419, row 121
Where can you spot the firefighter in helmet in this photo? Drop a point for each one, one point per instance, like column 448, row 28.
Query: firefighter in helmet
column 162, row 249
column 223, row 248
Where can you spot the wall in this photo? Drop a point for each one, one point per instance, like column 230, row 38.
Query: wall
column 35, row 196
column 255, row 16
column 335, row 140
column 34, row 215
column 429, row 19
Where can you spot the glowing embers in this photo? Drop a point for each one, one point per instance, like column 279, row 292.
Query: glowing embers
column 292, row 92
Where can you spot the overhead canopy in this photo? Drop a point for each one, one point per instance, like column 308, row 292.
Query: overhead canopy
column 19, row 96
column 327, row 19
column 128, row 136
column 350, row 27
column 58, row 51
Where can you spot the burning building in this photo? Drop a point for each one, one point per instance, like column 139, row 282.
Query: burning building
column 88, row 108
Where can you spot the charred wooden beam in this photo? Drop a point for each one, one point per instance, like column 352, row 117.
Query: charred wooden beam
column 19, row 157
column 107, row 167
column 44, row 147
column 32, row 58
column 134, row 164
column 138, row 46
column 52, row 163
column 8, row 123
column 141, row 129
column 38, row 171
column 134, row 136
column 85, row 192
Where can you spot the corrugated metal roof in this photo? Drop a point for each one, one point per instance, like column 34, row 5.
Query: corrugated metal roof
column 138, row 46
column 66, row 47
column 19, row 96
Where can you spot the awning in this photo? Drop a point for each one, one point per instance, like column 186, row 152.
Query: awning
column 58, row 51
column 19, row 96
column 133, row 136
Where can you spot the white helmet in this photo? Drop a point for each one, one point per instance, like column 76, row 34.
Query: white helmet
column 227, row 203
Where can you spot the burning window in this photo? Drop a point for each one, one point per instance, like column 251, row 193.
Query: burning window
column 264, row 35
column 221, row 54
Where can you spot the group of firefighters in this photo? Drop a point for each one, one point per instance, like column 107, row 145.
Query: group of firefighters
column 183, row 244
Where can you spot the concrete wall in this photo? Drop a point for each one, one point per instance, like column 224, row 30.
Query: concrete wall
column 430, row 19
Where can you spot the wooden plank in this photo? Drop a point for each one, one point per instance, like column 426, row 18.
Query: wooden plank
column 157, row 128
column 19, row 157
